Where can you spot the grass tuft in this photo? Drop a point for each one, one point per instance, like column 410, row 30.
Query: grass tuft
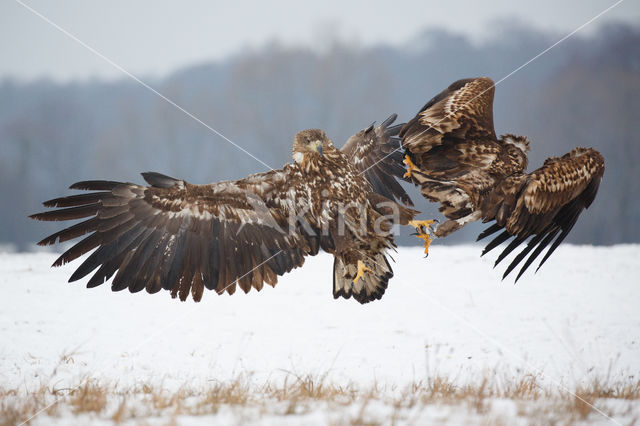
column 303, row 395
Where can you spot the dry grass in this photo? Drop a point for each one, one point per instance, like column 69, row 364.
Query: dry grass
column 17, row 406
column 88, row 397
column 302, row 395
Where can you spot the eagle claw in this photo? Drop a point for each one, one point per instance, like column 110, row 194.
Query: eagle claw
column 362, row 268
column 410, row 166
column 424, row 228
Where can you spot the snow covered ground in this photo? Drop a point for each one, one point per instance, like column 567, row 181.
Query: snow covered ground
column 574, row 322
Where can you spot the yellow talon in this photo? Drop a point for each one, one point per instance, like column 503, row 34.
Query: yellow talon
column 418, row 224
column 410, row 166
column 362, row 268
column 422, row 226
column 427, row 242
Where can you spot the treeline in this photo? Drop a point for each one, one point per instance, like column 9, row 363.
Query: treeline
column 584, row 92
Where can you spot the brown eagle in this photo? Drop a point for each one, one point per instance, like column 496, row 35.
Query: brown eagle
column 453, row 154
column 184, row 238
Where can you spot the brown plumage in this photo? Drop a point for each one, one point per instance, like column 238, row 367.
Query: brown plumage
column 458, row 161
column 184, row 238
column 374, row 152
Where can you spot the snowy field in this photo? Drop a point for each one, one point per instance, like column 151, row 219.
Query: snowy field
column 448, row 343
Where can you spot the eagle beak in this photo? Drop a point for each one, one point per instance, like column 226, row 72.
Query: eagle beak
column 317, row 146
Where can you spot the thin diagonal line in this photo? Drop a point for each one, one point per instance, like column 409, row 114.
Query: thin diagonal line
column 138, row 80
column 508, row 350
column 430, row 126
column 120, row 68
column 248, row 153
column 559, row 41
column 503, row 347
column 454, row 314
column 239, row 278
column 153, row 336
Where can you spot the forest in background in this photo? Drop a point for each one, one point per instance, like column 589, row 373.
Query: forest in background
column 583, row 92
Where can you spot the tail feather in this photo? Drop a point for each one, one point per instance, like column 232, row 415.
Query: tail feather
column 368, row 288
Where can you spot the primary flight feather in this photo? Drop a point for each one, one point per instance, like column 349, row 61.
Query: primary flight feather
column 186, row 238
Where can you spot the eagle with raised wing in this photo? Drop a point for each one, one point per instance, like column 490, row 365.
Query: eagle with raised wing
column 184, row 238
column 453, row 155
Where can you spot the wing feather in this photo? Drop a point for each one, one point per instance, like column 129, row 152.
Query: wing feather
column 462, row 165
column 376, row 153
column 462, row 110
column 548, row 204
column 181, row 237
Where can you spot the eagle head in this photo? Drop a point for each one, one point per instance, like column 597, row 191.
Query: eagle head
column 521, row 142
column 308, row 144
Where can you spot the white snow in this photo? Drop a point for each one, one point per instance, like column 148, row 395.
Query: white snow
column 577, row 319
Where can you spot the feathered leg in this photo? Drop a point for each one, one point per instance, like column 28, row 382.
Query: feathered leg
column 452, row 225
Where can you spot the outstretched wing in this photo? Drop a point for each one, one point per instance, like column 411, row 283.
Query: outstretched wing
column 464, row 110
column 376, row 153
column 181, row 237
column 543, row 205
column 452, row 144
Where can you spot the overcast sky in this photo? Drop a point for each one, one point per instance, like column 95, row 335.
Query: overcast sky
column 152, row 38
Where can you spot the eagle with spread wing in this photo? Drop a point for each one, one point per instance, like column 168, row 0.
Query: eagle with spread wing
column 454, row 156
column 184, row 238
